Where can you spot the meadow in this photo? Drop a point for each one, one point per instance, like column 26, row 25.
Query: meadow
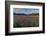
column 26, row 21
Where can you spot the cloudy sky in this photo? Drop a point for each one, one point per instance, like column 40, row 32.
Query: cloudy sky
column 25, row 10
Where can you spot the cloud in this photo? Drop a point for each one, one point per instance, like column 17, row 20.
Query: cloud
column 25, row 10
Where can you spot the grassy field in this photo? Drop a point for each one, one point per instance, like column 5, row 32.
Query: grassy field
column 26, row 21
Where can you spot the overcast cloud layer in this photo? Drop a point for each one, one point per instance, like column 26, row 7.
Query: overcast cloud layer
column 25, row 10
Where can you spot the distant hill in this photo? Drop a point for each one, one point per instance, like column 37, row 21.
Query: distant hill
column 19, row 14
column 25, row 14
